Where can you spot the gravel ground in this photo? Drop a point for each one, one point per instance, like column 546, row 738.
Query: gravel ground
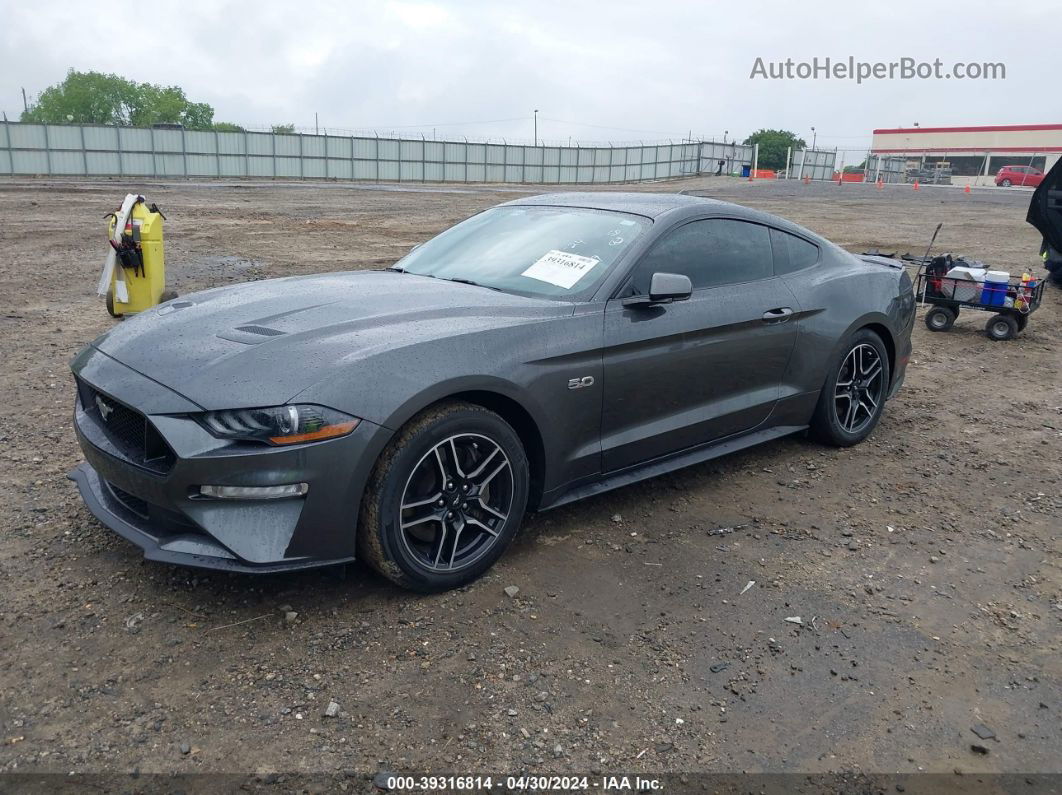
column 923, row 564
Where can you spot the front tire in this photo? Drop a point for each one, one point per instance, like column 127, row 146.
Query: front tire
column 853, row 397
column 940, row 318
column 445, row 499
column 1006, row 183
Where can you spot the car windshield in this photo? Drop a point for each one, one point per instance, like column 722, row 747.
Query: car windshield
column 544, row 252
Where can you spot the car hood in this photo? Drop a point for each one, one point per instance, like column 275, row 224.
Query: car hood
column 1045, row 207
column 262, row 343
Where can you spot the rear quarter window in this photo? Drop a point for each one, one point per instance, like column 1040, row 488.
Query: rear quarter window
column 792, row 253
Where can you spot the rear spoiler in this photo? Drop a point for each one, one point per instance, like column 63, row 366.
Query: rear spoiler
column 878, row 259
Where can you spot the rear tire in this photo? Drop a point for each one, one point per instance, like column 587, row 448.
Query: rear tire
column 940, row 318
column 445, row 499
column 853, row 397
column 1001, row 328
column 1006, row 183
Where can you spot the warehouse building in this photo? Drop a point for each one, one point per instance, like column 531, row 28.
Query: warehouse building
column 974, row 151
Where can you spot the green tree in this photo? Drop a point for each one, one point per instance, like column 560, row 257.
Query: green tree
column 227, row 126
column 97, row 98
column 288, row 129
column 85, row 98
column 773, row 146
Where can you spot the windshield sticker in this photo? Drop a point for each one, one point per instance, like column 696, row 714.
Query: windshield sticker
column 560, row 268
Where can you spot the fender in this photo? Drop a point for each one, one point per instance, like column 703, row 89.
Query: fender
column 468, row 383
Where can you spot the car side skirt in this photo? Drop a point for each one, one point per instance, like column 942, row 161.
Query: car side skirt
column 660, row 466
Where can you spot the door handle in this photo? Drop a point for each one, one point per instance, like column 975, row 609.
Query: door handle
column 779, row 315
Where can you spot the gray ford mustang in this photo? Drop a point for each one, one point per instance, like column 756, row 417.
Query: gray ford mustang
column 544, row 350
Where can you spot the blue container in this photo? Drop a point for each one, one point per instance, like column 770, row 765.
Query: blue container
column 746, row 171
column 994, row 289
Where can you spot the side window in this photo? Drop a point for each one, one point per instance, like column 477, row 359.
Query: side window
column 714, row 252
column 792, row 253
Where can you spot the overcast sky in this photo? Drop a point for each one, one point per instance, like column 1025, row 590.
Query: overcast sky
column 596, row 71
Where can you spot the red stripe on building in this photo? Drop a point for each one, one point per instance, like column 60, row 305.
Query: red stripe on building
column 994, row 128
column 979, row 149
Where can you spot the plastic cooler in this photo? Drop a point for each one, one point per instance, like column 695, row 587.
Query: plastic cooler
column 963, row 283
column 994, row 289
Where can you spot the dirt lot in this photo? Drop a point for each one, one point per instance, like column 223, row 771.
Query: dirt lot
column 924, row 563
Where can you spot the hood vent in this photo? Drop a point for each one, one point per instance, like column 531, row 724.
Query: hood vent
column 265, row 332
column 251, row 334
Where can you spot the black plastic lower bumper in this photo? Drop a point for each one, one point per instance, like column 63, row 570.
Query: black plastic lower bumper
column 191, row 549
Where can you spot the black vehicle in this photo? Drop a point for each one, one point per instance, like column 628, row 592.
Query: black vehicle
column 1045, row 213
column 544, row 350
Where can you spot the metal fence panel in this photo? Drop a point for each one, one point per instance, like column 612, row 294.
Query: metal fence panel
column 124, row 151
column 66, row 163
column 260, row 166
column 260, row 143
column 812, row 164
column 232, row 166
column 27, row 136
column 341, row 169
column 203, row 143
column 100, row 138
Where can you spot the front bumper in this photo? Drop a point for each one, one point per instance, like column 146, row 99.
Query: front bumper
column 159, row 508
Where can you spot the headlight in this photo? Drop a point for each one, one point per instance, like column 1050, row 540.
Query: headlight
column 280, row 424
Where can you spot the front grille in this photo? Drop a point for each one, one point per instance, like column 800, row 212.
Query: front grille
column 128, row 430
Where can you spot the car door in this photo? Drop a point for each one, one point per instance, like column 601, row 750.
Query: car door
column 681, row 374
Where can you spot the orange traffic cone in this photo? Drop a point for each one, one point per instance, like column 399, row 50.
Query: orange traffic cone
column 916, row 184
column 880, row 183
column 966, row 189
column 807, row 180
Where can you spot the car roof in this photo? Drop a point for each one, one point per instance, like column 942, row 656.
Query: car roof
column 651, row 205
column 654, row 205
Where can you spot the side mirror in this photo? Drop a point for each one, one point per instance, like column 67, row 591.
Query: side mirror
column 663, row 289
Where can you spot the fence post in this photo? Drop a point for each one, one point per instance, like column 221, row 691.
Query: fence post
column 353, row 176
column 301, row 174
column 154, row 160
column 273, row 149
column 466, row 158
column 118, row 143
column 184, row 151
column 84, row 153
column 7, row 146
column 755, row 159
column 788, row 157
column 377, row 153
column 217, row 153
column 246, row 155
column 505, row 160
column 47, row 150
column 423, row 158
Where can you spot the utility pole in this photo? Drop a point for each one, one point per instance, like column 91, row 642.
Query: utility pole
column 316, row 130
column 814, row 137
column 536, row 126
column 25, row 105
